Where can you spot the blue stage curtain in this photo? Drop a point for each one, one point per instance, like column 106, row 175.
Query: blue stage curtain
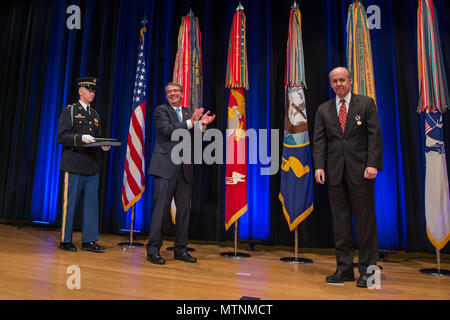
column 41, row 58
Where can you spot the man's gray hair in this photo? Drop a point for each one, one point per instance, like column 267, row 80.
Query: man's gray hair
column 349, row 74
column 173, row 84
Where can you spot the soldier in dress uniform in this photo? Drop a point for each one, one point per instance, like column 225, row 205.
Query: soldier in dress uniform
column 78, row 126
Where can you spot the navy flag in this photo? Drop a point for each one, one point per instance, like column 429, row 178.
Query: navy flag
column 296, row 190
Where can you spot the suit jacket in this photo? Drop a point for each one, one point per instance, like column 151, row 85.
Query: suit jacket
column 166, row 122
column 73, row 122
column 355, row 149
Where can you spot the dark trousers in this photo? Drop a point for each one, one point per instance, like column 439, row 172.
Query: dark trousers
column 163, row 192
column 345, row 199
column 75, row 187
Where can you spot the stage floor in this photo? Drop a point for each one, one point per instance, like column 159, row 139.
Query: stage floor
column 32, row 267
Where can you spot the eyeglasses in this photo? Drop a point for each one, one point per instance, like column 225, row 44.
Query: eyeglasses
column 173, row 90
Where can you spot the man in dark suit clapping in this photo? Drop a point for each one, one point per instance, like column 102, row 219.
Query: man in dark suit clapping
column 347, row 153
column 172, row 180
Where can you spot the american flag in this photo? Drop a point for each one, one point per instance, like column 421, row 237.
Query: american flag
column 133, row 175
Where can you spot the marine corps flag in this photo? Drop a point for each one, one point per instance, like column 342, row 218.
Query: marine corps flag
column 433, row 101
column 188, row 69
column 236, row 165
column 296, row 189
column 359, row 51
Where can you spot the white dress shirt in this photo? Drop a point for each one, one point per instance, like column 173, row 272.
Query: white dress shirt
column 347, row 102
column 84, row 105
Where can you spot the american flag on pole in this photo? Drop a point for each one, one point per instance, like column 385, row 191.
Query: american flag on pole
column 134, row 174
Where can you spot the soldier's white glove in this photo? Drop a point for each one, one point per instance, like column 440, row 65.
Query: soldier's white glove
column 87, row 138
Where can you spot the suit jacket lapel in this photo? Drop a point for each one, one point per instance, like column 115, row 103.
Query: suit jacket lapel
column 352, row 110
column 173, row 114
column 334, row 116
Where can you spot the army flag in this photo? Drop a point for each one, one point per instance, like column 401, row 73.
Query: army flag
column 236, row 159
column 188, row 62
column 188, row 69
column 296, row 188
column 433, row 101
column 359, row 51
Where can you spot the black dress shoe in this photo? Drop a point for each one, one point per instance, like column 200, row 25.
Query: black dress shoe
column 156, row 259
column 67, row 246
column 92, row 246
column 186, row 257
column 362, row 280
column 340, row 276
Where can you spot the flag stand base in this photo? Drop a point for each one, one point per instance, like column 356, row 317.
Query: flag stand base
column 235, row 254
column 295, row 259
column 438, row 272
column 131, row 244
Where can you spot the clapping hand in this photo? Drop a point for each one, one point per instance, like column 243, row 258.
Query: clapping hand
column 207, row 119
column 198, row 112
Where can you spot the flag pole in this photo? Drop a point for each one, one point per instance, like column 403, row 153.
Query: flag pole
column 296, row 259
column 438, row 258
column 131, row 244
column 235, row 237
column 432, row 80
column 237, row 80
column 131, row 226
column 296, row 244
column 235, row 253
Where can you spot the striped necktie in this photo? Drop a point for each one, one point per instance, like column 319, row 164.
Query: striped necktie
column 342, row 114
column 178, row 114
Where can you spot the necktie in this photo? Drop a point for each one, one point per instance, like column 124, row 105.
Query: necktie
column 342, row 114
column 178, row 114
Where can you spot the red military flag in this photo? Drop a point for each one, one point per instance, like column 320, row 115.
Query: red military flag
column 236, row 165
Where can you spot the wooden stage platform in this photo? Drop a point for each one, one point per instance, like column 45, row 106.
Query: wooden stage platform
column 32, row 267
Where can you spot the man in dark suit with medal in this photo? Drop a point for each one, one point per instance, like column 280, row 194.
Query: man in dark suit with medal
column 78, row 126
column 172, row 180
column 347, row 154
